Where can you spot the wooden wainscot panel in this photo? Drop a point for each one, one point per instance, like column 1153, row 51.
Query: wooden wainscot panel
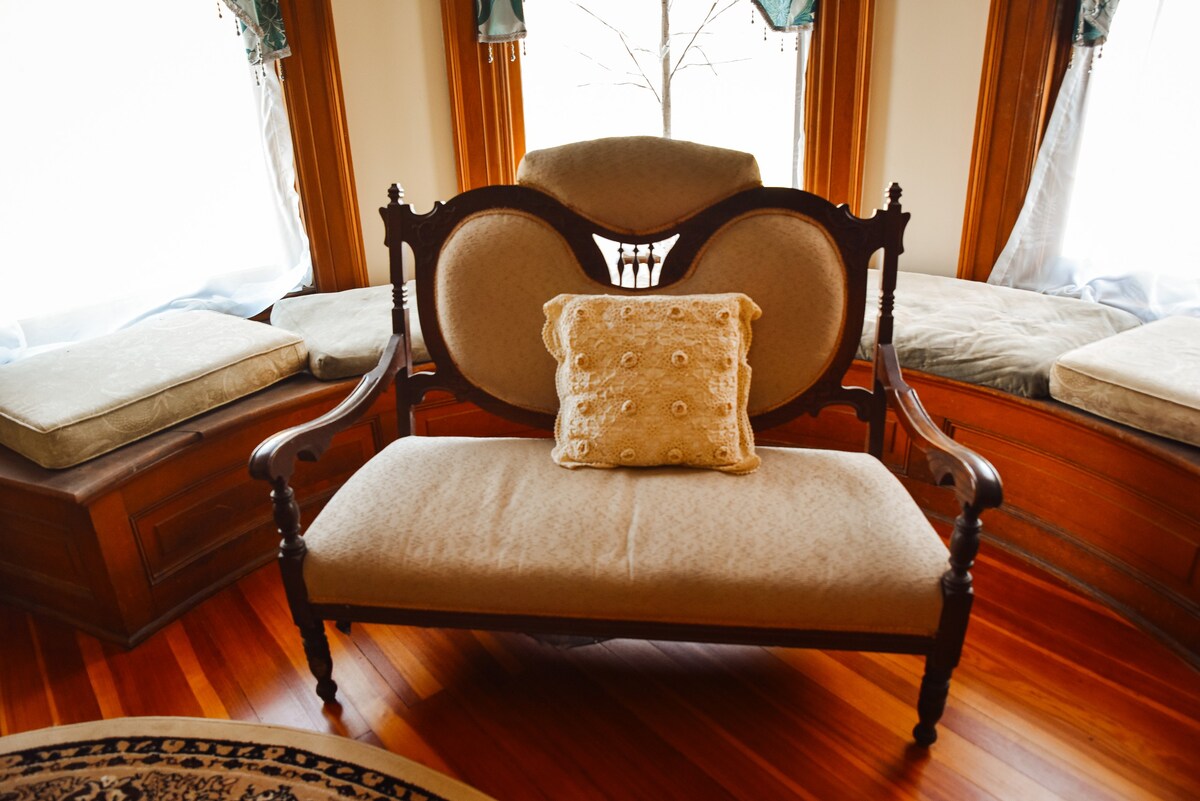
column 1113, row 511
column 217, row 510
column 42, row 562
column 1121, row 519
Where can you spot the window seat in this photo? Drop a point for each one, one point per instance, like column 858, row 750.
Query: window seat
column 991, row 336
column 129, row 501
column 125, row 542
column 69, row 405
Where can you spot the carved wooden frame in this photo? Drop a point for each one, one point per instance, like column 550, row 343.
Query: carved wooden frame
column 976, row 484
column 1027, row 52
column 855, row 238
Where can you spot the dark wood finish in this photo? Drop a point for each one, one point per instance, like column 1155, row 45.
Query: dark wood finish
column 855, row 238
column 321, row 140
column 1025, row 57
column 1106, row 714
column 835, row 114
column 1111, row 510
column 486, row 110
column 975, row 483
column 124, row 543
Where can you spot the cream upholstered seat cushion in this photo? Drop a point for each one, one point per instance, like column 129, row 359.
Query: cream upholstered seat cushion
column 652, row 380
column 978, row 333
column 345, row 332
column 816, row 540
column 1147, row 377
column 66, row 406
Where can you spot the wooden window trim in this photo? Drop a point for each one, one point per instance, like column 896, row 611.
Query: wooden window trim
column 487, row 113
column 321, row 140
column 1026, row 55
column 835, row 113
column 486, row 109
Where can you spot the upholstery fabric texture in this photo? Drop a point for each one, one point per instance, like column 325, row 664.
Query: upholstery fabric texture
column 346, row 332
column 819, row 540
column 652, row 380
column 66, row 406
column 492, row 319
column 638, row 184
column 979, row 333
column 1147, row 378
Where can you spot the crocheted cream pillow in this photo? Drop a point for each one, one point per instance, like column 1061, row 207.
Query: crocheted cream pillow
column 652, row 380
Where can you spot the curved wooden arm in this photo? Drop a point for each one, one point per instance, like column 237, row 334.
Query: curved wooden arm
column 976, row 482
column 275, row 459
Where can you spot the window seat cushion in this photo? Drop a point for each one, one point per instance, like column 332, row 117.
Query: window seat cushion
column 994, row 336
column 345, row 332
column 1147, row 378
column 69, row 405
column 533, row 558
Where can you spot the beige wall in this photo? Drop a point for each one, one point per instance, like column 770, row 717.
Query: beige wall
column 397, row 108
column 925, row 68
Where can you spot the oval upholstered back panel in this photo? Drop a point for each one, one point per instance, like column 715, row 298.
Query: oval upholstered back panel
column 498, row 267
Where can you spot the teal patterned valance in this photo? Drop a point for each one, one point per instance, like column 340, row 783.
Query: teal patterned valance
column 499, row 20
column 788, row 15
column 1092, row 22
column 262, row 27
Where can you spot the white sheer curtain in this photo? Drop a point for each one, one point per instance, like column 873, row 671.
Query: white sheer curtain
column 137, row 181
column 1109, row 213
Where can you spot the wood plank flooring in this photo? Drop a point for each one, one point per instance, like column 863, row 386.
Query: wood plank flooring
column 1056, row 698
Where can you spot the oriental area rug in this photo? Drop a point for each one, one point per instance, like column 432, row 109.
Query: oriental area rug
column 189, row 759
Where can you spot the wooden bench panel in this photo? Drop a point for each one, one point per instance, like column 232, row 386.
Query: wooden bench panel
column 123, row 544
column 1113, row 511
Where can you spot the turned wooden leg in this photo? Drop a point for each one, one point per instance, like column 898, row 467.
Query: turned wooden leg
column 320, row 661
column 958, row 595
column 935, row 686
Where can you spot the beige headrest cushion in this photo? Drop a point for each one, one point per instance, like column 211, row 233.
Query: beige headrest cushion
column 638, row 184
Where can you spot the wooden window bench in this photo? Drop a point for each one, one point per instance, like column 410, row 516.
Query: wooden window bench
column 121, row 545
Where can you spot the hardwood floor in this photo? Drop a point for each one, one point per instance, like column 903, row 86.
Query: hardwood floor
column 1056, row 698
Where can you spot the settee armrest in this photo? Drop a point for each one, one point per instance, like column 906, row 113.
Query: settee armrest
column 275, row 459
column 976, row 483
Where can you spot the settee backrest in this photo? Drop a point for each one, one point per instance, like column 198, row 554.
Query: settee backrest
column 488, row 260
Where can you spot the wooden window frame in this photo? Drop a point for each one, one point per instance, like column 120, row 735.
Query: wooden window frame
column 1026, row 55
column 487, row 112
column 321, row 141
